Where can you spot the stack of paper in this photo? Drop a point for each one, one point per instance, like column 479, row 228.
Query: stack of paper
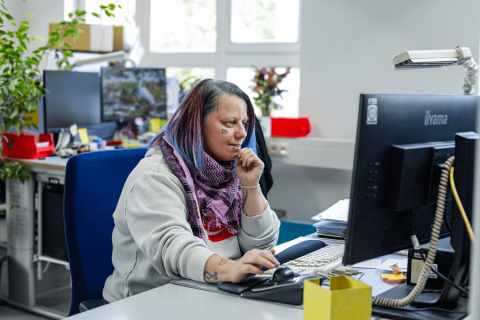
column 333, row 221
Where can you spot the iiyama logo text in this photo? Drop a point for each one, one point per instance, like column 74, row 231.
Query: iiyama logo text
column 435, row 119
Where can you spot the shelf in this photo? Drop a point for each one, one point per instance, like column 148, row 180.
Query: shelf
column 312, row 152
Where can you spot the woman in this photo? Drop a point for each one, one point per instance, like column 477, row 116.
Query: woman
column 193, row 205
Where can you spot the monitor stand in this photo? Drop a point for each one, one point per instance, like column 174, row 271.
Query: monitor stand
column 411, row 312
column 449, row 296
column 460, row 241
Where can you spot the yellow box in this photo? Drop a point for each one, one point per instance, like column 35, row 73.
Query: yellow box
column 347, row 299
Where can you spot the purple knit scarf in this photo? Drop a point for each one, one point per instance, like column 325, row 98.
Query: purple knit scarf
column 216, row 187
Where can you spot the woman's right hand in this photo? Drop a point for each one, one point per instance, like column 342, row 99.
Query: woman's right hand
column 218, row 269
column 251, row 262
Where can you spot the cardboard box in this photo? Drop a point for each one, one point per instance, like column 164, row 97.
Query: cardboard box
column 95, row 38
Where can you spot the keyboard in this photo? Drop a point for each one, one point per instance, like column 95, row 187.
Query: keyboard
column 321, row 261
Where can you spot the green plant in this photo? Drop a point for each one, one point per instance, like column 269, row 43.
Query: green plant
column 266, row 85
column 20, row 81
column 69, row 29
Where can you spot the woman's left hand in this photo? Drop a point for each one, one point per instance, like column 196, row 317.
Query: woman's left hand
column 249, row 167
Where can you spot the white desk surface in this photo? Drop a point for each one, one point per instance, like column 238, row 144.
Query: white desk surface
column 54, row 164
column 177, row 302
column 180, row 302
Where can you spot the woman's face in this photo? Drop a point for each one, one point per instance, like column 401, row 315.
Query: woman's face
column 224, row 129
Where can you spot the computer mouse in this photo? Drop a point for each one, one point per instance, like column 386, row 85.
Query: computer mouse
column 283, row 273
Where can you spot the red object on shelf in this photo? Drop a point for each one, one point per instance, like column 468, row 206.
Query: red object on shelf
column 114, row 142
column 25, row 146
column 290, row 127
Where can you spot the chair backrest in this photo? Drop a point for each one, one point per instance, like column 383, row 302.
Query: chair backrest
column 93, row 183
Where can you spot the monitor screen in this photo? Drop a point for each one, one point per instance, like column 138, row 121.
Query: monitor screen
column 128, row 93
column 387, row 189
column 71, row 98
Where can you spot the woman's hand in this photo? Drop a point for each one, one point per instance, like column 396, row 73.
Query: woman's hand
column 218, row 269
column 249, row 167
column 251, row 262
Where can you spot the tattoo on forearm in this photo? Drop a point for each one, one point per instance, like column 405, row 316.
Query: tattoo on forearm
column 209, row 276
column 222, row 261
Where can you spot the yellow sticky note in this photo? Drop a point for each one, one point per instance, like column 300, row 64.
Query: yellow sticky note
column 393, row 278
column 31, row 117
column 154, row 124
column 83, row 135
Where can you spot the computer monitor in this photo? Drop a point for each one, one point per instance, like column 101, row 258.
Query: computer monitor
column 128, row 93
column 401, row 142
column 71, row 98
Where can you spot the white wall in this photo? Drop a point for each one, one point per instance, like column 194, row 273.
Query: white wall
column 346, row 49
column 303, row 192
column 45, row 12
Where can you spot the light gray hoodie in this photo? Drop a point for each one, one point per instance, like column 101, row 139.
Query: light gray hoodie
column 152, row 241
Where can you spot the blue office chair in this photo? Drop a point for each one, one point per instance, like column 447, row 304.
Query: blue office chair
column 93, row 183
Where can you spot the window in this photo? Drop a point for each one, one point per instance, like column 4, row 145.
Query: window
column 256, row 21
column 288, row 102
column 123, row 17
column 187, row 77
column 221, row 39
column 196, row 33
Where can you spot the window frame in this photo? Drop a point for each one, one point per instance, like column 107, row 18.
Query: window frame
column 227, row 54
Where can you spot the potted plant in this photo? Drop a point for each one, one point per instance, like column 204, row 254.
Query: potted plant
column 20, row 82
column 266, row 86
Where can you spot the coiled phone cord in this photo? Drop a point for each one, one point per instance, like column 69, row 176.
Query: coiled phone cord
column 432, row 251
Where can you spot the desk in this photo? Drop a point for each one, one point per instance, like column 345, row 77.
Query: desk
column 21, row 233
column 177, row 302
column 174, row 301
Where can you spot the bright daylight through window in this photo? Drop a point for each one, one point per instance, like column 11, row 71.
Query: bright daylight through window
column 124, row 16
column 266, row 21
column 183, row 26
column 183, row 37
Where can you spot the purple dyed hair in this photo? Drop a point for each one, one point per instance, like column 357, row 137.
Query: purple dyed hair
column 184, row 130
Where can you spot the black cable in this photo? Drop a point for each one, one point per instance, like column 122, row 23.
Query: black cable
column 412, row 222
column 449, row 228
column 450, row 282
column 434, row 269
column 434, row 309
